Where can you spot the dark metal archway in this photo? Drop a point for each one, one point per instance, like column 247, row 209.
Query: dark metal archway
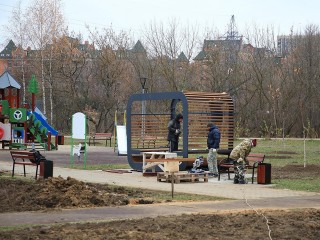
column 148, row 131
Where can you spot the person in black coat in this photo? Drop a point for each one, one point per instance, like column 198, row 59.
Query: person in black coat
column 174, row 131
column 213, row 144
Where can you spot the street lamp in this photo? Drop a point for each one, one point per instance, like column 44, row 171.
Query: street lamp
column 143, row 81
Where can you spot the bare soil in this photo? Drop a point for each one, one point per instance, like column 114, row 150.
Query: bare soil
column 296, row 172
column 57, row 193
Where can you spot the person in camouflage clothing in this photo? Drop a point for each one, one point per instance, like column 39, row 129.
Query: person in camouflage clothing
column 239, row 154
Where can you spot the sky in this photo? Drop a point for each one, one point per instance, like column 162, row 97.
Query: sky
column 136, row 15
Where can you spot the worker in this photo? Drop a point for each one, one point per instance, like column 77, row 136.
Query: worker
column 174, row 131
column 238, row 155
column 213, row 142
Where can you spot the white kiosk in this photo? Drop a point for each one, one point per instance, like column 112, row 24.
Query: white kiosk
column 79, row 127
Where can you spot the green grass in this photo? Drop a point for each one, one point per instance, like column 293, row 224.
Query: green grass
column 160, row 196
column 101, row 143
column 19, row 227
column 283, row 152
column 102, row 166
column 298, row 184
column 167, row 196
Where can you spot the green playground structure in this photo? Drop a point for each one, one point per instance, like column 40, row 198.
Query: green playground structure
column 22, row 126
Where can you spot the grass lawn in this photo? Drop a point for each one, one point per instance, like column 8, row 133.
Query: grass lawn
column 283, row 152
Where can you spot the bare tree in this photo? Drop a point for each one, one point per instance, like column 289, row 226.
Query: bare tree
column 45, row 23
column 306, row 73
column 111, row 80
column 72, row 71
column 17, row 29
column 57, row 31
column 164, row 44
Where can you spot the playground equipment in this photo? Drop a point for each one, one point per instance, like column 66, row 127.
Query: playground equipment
column 20, row 126
column 198, row 108
column 120, row 135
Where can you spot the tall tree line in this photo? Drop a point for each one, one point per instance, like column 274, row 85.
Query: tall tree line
column 273, row 96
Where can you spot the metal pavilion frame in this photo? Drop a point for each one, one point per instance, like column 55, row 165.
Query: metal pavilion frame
column 198, row 108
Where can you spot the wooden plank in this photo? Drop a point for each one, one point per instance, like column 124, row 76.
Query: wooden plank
column 183, row 177
column 26, row 163
column 171, row 160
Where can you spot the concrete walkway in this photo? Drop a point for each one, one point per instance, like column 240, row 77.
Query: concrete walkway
column 223, row 188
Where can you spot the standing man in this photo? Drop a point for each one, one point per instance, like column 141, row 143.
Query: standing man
column 238, row 155
column 213, row 142
column 174, row 132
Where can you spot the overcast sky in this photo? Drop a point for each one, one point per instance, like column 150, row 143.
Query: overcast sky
column 134, row 15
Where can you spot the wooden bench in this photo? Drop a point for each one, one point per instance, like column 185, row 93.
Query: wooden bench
column 147, row 140
column 253, row 158
column 20, row 157
column 100, row 136
column 161, row 149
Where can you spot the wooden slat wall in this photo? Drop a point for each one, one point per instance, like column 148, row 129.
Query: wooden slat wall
column 210, row 107
column 203, row 108
column 155, row 126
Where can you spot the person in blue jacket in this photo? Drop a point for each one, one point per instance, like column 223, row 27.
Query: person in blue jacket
column 213, row 142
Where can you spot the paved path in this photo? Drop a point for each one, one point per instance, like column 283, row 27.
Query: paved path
column 256, row 195
column 224, row 188
column 154, row 210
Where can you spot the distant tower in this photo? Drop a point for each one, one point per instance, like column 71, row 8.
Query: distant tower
column 232, row 33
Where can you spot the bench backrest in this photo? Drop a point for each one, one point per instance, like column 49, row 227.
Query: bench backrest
column 107, row 135
column 255, row 157
column 23, row 155
column 150, row 138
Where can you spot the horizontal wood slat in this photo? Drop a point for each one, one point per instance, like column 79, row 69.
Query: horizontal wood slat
column 203, row 107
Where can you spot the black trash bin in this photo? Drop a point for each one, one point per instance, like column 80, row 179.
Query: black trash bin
column 60, row 140
column 264, row 173
column 46, row 168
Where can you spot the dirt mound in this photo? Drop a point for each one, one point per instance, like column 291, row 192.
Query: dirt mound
column 53, row 193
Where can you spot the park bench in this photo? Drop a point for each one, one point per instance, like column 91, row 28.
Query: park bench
column 146, row 141
column 24, row 158
column 100, row 136
column 254, row 160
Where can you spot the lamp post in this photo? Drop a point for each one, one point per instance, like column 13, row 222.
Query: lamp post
column 143, row 81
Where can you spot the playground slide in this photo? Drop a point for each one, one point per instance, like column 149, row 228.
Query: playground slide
column 45, row 124
column 40, row 128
